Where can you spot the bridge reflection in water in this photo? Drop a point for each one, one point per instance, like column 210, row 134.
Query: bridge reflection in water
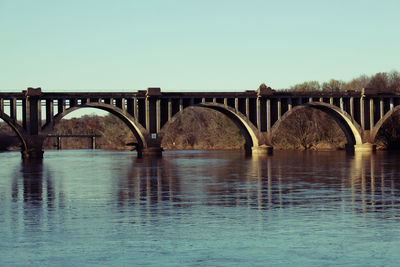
column 37, row 201
column 362, row 183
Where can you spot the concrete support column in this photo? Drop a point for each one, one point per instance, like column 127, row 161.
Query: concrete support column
column 258, row 113
column 290, row 104
column 25, row 114
column 279, row 109
column 49, row 110
column 13, row 108
column 321, row 99
column 129, row 106
column 32, row 121
column 247, row 108
column 352, row 107
column 135, row 109
column 61, row 105
column 123, row 106
column 109, row 101
column 362, row 113
column 158, row 115
column 120, row 103
column 236, row 104
column 72, row 102
column 268, row 115
column 33, row 115
column 147, row 112
column 391, row 103
column 225, row 102
column 180, row 104
column 169, row 109
column 331, row 100
column 203, row 100
column 371, row 114
column 341, row 104
column 381, row 108
column 310, row 99
column 214, row 100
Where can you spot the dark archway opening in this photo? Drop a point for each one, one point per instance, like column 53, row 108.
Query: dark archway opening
column 388, row 136
column 202, row 128
column 309, row 128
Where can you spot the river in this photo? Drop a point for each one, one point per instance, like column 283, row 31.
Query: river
column 200, row 208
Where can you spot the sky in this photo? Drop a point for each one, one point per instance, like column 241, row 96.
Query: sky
column 187, row 45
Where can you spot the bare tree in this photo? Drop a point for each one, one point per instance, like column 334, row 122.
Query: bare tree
column 379, row 81
column 357, row 83
column 333, row 86
column 306, row 86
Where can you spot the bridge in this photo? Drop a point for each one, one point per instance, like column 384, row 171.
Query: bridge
column 147, row 113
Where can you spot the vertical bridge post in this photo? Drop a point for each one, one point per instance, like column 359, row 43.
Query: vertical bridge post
column 153, row 120
column 263, row 120
column 32, row 123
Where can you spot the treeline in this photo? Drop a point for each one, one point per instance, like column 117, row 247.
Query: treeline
column 382, row 81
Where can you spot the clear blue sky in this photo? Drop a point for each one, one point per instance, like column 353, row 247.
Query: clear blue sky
column 193, row 45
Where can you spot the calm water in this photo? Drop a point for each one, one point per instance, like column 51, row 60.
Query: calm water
column 194, row 208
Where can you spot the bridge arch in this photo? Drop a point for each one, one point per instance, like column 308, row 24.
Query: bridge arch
column 349, row 127
column 17, row 129
column 248, row 130
column 138, row 130
column 381, row 122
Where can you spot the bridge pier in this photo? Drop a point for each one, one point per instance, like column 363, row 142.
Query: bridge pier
column 366, row 147
column 262, row 150
column 34, row 147
column 150, row 152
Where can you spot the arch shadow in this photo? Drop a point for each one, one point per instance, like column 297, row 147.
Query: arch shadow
column 138, row 130
column 17, row 129
column 248, row 130
column 349, row 127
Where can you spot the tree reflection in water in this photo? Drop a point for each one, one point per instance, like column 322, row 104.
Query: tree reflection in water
column 284, row 180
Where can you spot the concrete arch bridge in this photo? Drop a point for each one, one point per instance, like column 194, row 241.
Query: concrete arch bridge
column 32, row 114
